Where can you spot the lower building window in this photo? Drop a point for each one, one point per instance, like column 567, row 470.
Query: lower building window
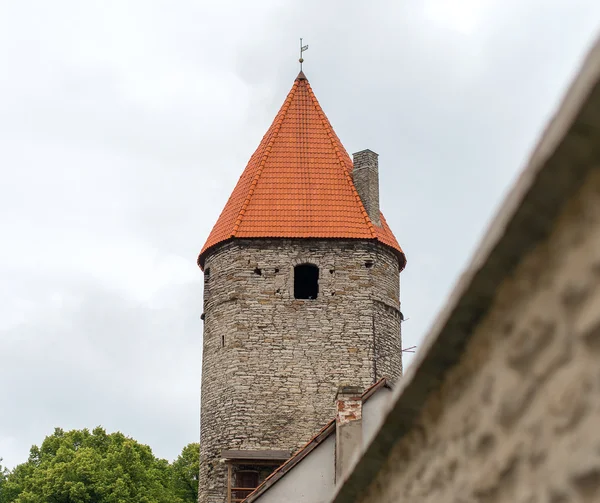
column 243, row 479
column 245, row 482
column 247, row 469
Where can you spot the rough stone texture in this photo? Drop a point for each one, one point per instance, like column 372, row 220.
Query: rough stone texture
column 517, row 419
column 271, row 363
column 365, row 176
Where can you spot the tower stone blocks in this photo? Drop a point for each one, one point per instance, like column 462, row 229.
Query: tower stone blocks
column 301, row 294
column 271, row 362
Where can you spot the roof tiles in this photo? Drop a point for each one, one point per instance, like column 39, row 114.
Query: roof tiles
column 297, row 183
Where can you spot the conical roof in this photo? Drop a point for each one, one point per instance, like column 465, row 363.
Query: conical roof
column 298, row 184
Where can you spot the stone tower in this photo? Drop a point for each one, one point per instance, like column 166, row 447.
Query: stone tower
column 301, row 293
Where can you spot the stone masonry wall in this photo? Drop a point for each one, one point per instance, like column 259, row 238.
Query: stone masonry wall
column 518, row 418
column 365, row 176
column 271, row 363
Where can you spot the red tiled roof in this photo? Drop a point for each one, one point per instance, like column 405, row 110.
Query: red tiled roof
column 297, row 184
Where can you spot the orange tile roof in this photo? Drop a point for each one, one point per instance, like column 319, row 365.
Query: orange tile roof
column 297, row 184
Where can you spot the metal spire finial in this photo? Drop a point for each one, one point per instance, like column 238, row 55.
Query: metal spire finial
column 302, row 49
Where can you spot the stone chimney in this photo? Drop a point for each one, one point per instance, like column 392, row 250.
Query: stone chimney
column 366, row 180
column 348, row 429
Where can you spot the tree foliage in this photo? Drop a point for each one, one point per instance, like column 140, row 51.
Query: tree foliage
column 3, row 476
column 185, row 473
column 80, row 466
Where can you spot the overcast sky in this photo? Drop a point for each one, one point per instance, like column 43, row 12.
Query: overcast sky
column 125, row 124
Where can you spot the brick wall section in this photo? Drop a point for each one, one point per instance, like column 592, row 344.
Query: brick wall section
column 517, row 419
column 349, row 405
column 348, row 429
column 349, row 410
column 272, row 364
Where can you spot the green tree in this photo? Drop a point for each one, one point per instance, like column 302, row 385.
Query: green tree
column 3, row 474
column 3, row 477
column 14, row 482
column 185, row 473
column 82, row 467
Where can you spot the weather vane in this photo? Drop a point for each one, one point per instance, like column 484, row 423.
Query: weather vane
column 302, row 49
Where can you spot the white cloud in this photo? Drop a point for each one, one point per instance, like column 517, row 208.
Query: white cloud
column 124, row 126
column 464, row 17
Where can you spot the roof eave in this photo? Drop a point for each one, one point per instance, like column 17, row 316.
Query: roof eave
column 400, row 255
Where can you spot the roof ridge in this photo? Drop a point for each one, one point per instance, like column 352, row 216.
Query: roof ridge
column 330, row 134
column 281, row 116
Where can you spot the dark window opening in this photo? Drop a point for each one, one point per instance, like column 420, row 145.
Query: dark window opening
column 369, row 264
column 306, row 281
column 258, row 271
column 222, row 341
column 245, row 478
column 276, row 270
column 244, row 482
